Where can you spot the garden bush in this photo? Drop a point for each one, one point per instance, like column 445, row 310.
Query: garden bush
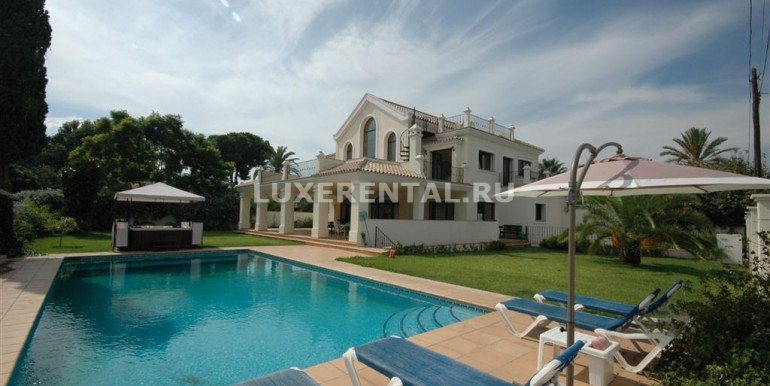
column 30, row 219
column 420, row 249
column 303, row 222
column 727, row 340
column 560, row 242
column 51, row 198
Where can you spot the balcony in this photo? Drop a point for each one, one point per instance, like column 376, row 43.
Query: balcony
column 443, row 172
column 518, row 178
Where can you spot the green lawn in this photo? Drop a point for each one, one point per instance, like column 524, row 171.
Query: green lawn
column 87, row 242
column 524, row 272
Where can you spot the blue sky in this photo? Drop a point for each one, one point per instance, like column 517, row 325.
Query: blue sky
column 563, row 72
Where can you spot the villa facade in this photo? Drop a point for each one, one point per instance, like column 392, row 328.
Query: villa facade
column 398, row 174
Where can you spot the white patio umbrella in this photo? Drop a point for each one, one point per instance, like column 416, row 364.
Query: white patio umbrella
column 624, row 176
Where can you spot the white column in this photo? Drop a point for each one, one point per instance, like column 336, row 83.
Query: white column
column 467, row 210
column 752, row 240
column 491, row 125
column 415, row 142
column 285, row 171
column 418, row 206
column 763, row 211
column 527, row 174
column 359, row 206
column 244, row 215
column 763, row 225
column 454, row 173
column 511, row 129
column 467, row 117
column 287, row 212
column 320, row 214
column 260, row 223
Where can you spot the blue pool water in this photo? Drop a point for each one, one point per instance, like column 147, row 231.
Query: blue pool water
column 209, row 319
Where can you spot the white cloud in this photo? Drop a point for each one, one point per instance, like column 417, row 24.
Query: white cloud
column 291, row 72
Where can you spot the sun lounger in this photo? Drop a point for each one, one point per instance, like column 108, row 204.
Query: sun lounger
column 292, row 376
column 584, row 302
column 652, row 333
column 544, row 313
column 633, row 326
column 416, row 366
column 596, row 304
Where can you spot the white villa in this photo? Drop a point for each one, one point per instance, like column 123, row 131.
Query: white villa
column 398, row 174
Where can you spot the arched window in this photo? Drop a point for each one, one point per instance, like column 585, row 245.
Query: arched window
column 349, row 151
column 391, row 147
column 370, row 138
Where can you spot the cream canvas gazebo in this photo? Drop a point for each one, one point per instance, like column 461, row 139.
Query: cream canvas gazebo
column 186, row 234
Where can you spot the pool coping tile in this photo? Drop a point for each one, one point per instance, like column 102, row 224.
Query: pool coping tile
column 483, row 341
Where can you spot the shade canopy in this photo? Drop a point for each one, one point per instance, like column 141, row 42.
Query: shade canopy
column 158, row 192
column 629, row 176
column 624, row 176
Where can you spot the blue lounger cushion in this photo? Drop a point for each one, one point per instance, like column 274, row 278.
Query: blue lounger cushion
column 287, row 377
column 559, row 314
column 396, row 357
column 584, row 320
column 415, row 365
column 588, row 302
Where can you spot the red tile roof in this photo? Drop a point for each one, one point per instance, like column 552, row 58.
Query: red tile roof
column 372, row 166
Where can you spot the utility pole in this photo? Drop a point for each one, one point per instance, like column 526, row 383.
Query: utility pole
column 755, row 115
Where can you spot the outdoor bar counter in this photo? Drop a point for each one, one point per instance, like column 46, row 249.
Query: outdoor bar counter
column 155, row 237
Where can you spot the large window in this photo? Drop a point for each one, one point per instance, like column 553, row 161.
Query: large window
column 485, row 160
column 348, row 151
column 370, row 138
column 441, row 210
column 385, row 209
column 507, row 171
column 391, row 147
column 522, row 164
column 345, row 209
column 539, row 212
column 485, row 211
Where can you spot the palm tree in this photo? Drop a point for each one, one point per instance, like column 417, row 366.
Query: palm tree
column 280, row 156
column 695, row 149
column 550, row 167
column 634, row 224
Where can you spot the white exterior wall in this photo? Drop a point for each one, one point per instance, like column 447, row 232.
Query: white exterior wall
column 467, row 144
column 521, row 211
column 476, row 140
column 434, row 232
column 354, row 133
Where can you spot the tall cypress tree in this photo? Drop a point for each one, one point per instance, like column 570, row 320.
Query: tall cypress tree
column 25, row 36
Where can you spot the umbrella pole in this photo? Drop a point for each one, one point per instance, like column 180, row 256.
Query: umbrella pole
column 572, row 198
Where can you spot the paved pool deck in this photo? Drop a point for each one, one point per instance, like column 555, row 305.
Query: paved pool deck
column 483, row 342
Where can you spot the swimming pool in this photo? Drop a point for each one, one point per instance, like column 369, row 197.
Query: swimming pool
column 210, row 318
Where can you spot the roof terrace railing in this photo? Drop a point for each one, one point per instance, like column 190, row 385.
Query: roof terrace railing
column 486, row 125
column 307, row 168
